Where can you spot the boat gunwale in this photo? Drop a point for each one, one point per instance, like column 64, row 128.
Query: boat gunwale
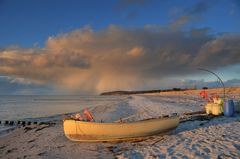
column 121, row 123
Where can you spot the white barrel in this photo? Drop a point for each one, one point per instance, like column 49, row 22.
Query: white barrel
column 208, row 108
column 216, row 109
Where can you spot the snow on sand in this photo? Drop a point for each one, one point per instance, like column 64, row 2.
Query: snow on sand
column 216, row 138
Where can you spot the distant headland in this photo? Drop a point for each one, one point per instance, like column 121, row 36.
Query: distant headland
column 176, row 91
column 143, row 92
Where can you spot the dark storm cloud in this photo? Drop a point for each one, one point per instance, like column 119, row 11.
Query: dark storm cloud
column 224, row 50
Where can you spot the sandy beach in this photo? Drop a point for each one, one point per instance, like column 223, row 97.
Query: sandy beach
column 159, row 79
column 212, row 138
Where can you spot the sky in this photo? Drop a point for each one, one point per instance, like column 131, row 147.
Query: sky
column 89, row 47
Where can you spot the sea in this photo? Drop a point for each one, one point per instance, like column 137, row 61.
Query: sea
column 46, row 108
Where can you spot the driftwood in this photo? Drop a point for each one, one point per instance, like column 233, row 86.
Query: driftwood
column 200, row 117
column 197, row 112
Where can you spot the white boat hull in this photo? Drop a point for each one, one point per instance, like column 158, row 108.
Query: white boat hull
column 95, row 131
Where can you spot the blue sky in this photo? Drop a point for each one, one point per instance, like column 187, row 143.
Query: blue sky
column 34, row 26
column 30, row 22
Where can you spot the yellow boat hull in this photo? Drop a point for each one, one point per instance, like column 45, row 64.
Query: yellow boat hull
column 95, row 131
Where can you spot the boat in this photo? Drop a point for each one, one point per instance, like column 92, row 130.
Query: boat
column 117, row 131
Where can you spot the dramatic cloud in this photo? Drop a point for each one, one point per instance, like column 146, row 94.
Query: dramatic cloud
column 219, row 50
column 117, row 58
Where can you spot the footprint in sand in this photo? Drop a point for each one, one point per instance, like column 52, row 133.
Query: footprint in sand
column 196, row 147
column 237, row 146
column 206, row 150
column 11, row 150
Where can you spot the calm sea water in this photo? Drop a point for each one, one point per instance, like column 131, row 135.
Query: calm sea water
column 22, row 107
column 44, row 108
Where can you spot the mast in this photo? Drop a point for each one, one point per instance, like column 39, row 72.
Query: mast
column 203, row 69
